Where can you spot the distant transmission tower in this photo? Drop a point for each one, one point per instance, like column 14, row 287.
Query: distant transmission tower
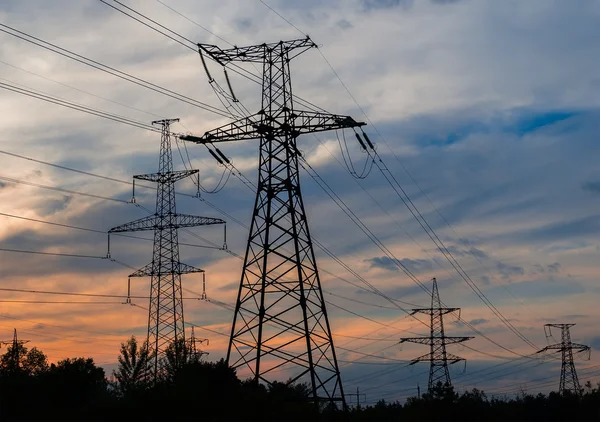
column 280, row 319
column 438, row 357
column 195, row 352
column 569, row 383
column 165, row 316
column 15, row 358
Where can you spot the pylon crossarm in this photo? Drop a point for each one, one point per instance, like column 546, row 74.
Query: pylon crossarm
column 557, row 347
column 145, row 223
column 559, row 325
column 454, row 340
column 185, row 220
column 311, row 121
column 445, row 311
column 425, row 358
column 453, row 358
column 187, row 269
column 169, row 177
column 580, row 347
column 437, row 311
column 154, row 222
column 145, row 271
column 256, row 126
column 254, row 53
column 418, row 340
column 151, row 269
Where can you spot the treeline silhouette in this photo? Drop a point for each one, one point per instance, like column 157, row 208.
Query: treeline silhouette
column 444, row 404
column 31, row 389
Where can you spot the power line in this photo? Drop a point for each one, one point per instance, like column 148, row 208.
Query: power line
column 230, row 307
column 47, row 292
column 112, row 179
column 157, row 31
column 74, row 106
column 535, row 382
column 19, row 37
column 97, row 231
column 149, row 26
column 364, row 303
column 231, row 66
column 332, row 195
column 445, row 251
column 505, row 321
column 320, row 245
column 12, row 180
column 194, row 22
column 51, row 253
column 429, row 230
column 79, row 90
column 57, row 189
column 110, row 70
column 58, row 326
column 74, row 339
column 282, row 17
column 74, row 302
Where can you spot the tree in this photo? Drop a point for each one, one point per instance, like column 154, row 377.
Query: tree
column 35, row 362
column 23, row 361
column 441, row 393
column 177, row 355
column 10, row 362
column 80, row 375
column 133, row 370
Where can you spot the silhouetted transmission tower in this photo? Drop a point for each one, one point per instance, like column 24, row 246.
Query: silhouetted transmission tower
column 438, row 357
column 14, row 363
column 165, row 316
column 280, row 319
column 569, row 383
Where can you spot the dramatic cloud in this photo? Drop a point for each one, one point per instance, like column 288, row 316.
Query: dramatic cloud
column 414, row 265
column 508, row 271
column 493, row 108
column 478, row 321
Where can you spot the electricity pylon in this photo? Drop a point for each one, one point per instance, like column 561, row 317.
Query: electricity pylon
column 15, row 357
column 438, row 357
column 280, row 319
column 569, row 383
column 195, row 352
column 165, row 316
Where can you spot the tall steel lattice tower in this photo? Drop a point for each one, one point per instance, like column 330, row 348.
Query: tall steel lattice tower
column 280, row 319
column 438, row 357
column 165, row 316
column 569, row 383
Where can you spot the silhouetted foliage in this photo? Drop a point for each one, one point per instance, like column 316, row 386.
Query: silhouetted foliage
column 444, row 404
column 133, row 367
column 76, row 389
column 27, row 362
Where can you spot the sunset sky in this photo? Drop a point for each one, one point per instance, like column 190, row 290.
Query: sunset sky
column 487, row 110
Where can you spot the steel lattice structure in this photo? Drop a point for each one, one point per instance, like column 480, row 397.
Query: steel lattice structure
column 569, row 382
column 165, row 316
column 438, row 357
column 280, row 318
